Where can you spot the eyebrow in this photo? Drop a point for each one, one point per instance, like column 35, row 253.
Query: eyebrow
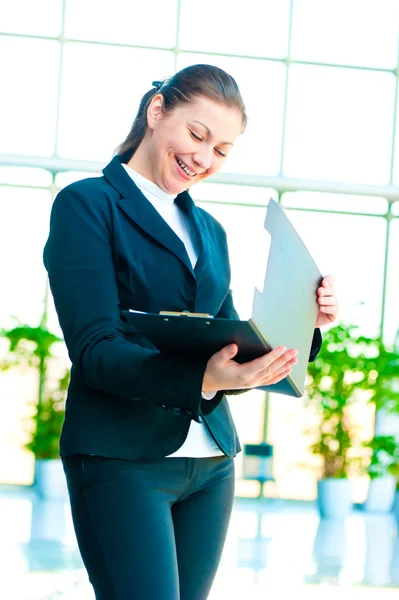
column 210, row 132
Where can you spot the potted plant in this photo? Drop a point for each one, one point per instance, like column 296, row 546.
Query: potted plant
column 384, row 456
column 344, row 373
column 394, row 470
column 383, row 448
column 31, row 346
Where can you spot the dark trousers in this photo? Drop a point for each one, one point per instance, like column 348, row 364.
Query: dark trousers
column 150, row 530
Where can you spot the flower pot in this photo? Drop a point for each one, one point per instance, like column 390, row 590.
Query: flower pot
column 395, row 507
column 334, row 497
column 50, row 482
column 381, row 494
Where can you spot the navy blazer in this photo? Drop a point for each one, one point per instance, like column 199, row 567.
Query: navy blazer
column 108, row 250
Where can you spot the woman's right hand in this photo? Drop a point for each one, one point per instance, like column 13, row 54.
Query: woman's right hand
column 224, row 373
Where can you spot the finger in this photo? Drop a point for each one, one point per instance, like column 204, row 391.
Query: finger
column 288, row 365
column 327, row 300
column 330, row 291
column 277, row 357
column 328, row 281
column 277, row 367
column 274, row 370
column 227, row 353
column 288, row 360
column 258, row 364
column 331, row 310
column 276, row 377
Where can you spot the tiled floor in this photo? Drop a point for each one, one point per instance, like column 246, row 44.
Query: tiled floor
column 272, row 551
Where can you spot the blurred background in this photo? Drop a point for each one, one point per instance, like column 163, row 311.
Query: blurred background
column 320, row 82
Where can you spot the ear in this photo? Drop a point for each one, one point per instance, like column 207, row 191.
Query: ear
column 154, row 111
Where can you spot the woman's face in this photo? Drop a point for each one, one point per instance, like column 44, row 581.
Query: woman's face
column 190, row 143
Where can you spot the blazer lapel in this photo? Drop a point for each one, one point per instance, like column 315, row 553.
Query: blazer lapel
column 136, row 206
column 199, row 230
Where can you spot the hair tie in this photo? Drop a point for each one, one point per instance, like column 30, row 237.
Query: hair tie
column 157, row 84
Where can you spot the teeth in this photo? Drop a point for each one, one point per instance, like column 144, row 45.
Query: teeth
column 185, row 168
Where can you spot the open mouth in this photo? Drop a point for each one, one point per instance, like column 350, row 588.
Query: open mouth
column 183, row 167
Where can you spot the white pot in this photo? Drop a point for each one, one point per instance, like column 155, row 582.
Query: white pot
column 381, row 494
column 395, row 507
column 50, row 482
column 334, row 497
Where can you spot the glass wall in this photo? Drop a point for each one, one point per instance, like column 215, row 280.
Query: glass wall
column 322, row 103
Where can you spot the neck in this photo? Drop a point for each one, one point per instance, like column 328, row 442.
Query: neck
column 140, row 162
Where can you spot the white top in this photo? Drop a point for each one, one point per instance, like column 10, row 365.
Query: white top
column 199, row 442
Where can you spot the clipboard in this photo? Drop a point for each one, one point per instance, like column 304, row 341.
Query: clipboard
column 284, row 313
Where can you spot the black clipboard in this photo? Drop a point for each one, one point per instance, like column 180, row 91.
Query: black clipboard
column 283, row 314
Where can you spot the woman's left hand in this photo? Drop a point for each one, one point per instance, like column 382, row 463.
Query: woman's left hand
column 327, row 301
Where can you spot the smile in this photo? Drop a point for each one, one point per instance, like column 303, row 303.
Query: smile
column 184, row 167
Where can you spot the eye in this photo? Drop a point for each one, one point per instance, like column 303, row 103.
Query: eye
column 220, row 153
column 195, row 136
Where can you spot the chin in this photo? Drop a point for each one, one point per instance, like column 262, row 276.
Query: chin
column 172, row 189
column 175, row 187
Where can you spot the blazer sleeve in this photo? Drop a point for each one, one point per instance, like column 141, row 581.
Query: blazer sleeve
column 79, row 261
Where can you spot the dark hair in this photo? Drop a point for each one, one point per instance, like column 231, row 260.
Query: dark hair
column 181, row 88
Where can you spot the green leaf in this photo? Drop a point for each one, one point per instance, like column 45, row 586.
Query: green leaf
column 347, row 364
column 31, row 346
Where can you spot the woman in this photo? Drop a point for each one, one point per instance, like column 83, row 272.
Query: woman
column 148, row 440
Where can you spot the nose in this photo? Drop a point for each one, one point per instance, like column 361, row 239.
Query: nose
column 203, row 157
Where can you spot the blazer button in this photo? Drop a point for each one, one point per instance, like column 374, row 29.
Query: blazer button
column 176, row 411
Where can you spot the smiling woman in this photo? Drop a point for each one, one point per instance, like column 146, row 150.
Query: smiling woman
column 148, row 440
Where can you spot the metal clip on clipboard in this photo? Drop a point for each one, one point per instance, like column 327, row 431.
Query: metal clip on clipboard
column 185, row 313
